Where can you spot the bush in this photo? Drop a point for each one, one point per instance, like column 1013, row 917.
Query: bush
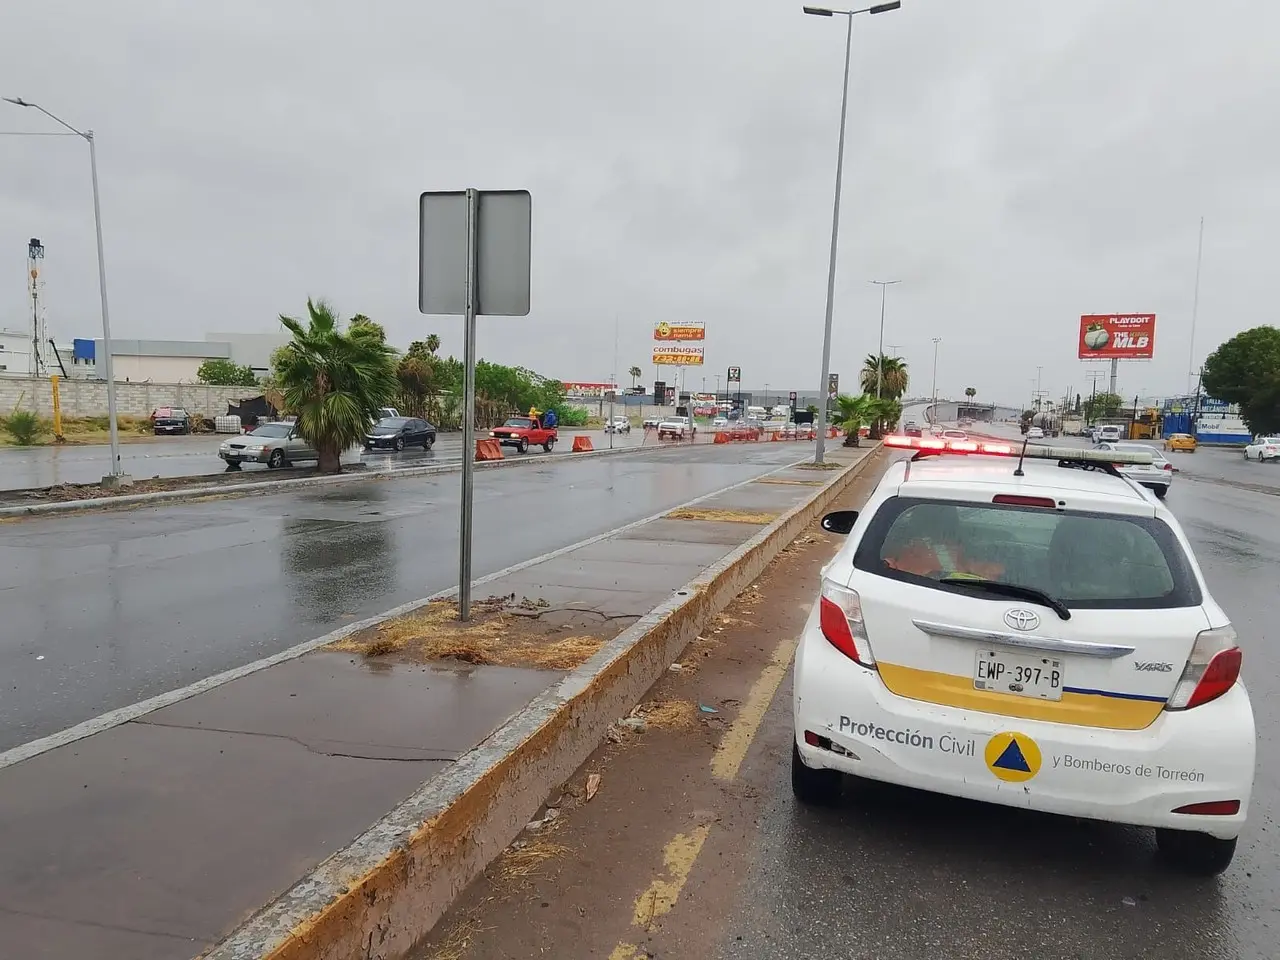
column 571, row 416
column 24, row 426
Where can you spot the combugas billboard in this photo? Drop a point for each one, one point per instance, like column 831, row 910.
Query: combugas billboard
column 678, row 356
column 1117, row 336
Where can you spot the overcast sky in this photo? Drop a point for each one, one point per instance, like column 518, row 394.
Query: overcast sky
column 1014, row 163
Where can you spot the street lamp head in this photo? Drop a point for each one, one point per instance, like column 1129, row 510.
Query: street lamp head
column 885, row 7
column 819, row 12
column 18, row 102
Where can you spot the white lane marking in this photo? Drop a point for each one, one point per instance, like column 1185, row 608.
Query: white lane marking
column 113, row 718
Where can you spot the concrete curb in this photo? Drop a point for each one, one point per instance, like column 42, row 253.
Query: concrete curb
column 384, row 892
column 273, row 486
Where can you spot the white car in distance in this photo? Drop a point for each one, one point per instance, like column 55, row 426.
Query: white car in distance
column 676, row 428
column 1032, row 631
column 1035, row 433
column 1263, row 449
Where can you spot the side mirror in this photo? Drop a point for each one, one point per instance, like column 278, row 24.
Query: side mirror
column 840, row 521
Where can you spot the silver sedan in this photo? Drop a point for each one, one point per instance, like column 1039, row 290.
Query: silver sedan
column 275, row 444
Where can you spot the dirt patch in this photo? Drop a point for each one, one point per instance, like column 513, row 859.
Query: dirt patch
column 503, row 631
column 784, row 480
column 827, row 465
column 722, row 516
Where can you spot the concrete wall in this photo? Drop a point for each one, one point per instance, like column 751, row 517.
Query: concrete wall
column 88, row 398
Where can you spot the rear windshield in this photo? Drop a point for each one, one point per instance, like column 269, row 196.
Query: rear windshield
column 1086, row 560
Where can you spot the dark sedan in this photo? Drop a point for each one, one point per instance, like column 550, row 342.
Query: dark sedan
column 396, row 433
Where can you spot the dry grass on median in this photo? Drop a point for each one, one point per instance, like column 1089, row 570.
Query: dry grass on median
column 496, row 635
column 722, row 516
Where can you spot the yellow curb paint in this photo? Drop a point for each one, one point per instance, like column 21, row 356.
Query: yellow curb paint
column 677, row 857
column 734, row 745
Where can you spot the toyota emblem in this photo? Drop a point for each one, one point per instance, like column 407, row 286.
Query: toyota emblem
column 1022, row 619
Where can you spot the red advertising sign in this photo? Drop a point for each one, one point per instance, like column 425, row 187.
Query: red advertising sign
column 1118, row 336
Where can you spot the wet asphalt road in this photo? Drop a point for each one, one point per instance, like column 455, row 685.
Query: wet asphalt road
column 894, row 874
column 25, row 467
column 102, row 610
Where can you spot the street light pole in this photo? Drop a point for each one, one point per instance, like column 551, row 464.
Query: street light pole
column 884, row 285
column 117, row 476
column 936, row 341
column 820, row 442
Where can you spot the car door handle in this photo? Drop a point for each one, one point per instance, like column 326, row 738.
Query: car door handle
column 1083, row 648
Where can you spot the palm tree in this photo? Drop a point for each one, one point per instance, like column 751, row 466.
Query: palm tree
column 891, row 372
column 334, row 380
column 635, row 373
column 852, row 413
column 970, row 392
column 433, row 343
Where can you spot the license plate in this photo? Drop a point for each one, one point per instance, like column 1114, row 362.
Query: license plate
column 1023, row 676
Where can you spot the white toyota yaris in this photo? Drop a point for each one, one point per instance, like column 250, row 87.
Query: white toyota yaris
column 1033, row 632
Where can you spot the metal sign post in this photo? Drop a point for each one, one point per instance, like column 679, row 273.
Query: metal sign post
column 474, row 258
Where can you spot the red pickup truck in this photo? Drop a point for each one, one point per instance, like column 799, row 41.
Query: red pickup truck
column 523, row 432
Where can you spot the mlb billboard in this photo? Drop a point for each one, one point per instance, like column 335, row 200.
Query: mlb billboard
column 1117, row 336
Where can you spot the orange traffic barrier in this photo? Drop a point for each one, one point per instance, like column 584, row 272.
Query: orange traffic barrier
column 721, row 437
column 581, row 444
column 488, row 450
column 776, row 436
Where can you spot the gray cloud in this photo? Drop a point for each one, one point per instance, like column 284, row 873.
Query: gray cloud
column 1015, row 164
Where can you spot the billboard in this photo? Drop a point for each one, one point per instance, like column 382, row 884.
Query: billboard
column 666, row 332
column 1117, row 336
column 678, row 356
column 735, row 375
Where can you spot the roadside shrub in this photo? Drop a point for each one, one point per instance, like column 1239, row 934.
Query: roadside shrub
column 24, row 426
column 571, row 416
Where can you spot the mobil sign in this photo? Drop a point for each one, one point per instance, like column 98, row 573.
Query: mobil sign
column 1117, row 336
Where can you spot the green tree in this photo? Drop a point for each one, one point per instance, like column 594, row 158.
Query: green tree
column 433, row 343
column 1245, row 370
column 225, row 373
column 1103, row 405
column 375, row 329
column 970, row 392
column 635, row 373
column 891, row 372
column 852, row 414
column 335, row 381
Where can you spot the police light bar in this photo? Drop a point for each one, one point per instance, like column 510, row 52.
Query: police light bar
column 988, row 448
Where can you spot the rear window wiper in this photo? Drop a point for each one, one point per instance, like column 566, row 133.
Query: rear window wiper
column 1015, row 590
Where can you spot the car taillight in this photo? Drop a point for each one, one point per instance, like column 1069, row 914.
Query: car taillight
column 840, row 614
column 1167, row 466
column 1211, row 808
column 1211, row 670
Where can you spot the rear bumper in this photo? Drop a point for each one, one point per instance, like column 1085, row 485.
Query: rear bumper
column 1133, row 777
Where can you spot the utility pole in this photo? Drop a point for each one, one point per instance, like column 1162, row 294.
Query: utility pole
column 1195, row 308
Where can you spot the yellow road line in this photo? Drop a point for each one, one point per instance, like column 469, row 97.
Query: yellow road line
column 734, row 745
column 681, row 852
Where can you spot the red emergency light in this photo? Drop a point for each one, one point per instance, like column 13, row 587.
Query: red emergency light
column 930, row 445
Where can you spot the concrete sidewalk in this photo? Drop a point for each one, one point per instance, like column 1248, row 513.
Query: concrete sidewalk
column 154, row 839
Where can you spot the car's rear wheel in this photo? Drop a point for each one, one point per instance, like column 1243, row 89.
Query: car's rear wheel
column 1161, row 492
column 427, row 443
column 1196, row 853
column 548, row 445
column 818, row 788
column 276, row 459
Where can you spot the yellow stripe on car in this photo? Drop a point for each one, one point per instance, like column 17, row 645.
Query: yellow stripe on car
column 1081, row 709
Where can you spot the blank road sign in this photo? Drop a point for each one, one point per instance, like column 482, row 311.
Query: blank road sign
column 503, row 250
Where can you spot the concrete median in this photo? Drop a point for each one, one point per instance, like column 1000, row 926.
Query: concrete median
column 383, row 893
